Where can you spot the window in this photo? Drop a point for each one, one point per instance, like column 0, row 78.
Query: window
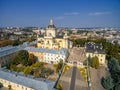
column 101, row 55
column 22, row 87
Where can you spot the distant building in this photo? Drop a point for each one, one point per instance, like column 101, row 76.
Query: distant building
column 51, row 40
column 93, row 49
column 48, row 55
column 18, row 33
column 76, row 36
column 36, row 31
column 17, row 81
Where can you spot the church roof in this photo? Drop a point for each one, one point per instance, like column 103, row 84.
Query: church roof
column 58, row 36
column 92, row 47
column 51, row 26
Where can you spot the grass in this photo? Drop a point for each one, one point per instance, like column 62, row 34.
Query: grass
column 83, row 72
column 59, row 86
column 66, row 68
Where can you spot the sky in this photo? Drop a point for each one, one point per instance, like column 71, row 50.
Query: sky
column 65, row 13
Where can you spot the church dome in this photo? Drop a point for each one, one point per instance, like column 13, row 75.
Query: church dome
column 51, row 24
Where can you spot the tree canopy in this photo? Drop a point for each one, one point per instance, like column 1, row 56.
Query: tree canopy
column 59, row 66
column 112, row 82
column 94, row 62
column 22, row 57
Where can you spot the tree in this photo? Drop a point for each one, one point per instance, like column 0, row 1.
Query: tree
column 20, row 58
column 108, row 83
column 94, row 62
column 31, row 58
column 114, row 78
column 13, row 68
column 38, row 67
column 59, row 87
column 6, row 43
column 23, row 57
column 27, row 70
column 15, row 43
column 49, row 71
column 114, row 68
column 59, row 66
column 37, row 72
column 38, row 64
column 117, row 87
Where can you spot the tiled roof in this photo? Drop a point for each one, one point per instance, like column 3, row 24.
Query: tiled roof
column 58, row 36
column 94, row 48
column 36, row 84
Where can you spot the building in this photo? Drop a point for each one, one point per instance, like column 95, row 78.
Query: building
column 48, row 55
column 51, row 40
column 6, row 53
column 18, row 81
column 93, row 49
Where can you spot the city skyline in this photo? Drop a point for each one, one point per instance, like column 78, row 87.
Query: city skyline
column 79, row 13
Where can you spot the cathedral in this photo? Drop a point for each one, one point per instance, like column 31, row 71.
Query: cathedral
column 51, row 40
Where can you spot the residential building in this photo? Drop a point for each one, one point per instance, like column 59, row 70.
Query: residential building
column 48, row 55
column 18, row 81
column 93, row 49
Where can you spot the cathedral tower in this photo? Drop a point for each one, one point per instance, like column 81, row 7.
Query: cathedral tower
column 51, row 30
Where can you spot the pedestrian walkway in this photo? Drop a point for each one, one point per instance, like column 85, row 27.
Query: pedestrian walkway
column 77, row 83
column 73, row 78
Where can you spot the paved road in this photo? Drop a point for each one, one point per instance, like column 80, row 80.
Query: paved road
column 73, row 78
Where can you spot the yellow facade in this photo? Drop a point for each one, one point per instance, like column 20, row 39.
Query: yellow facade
column 101, row 57
column 57, row 43
column 50, row 40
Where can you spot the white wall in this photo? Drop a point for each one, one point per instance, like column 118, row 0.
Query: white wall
column 55, row 58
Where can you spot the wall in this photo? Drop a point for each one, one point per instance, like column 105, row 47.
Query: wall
column 49, row 57
column 14, row 86
column 101, row 57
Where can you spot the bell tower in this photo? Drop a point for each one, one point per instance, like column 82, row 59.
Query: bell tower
column 51, row 29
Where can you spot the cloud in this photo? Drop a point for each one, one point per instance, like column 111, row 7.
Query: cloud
column 99, row 13
column 59, row 17
column 72, row 13
column 65, row 14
